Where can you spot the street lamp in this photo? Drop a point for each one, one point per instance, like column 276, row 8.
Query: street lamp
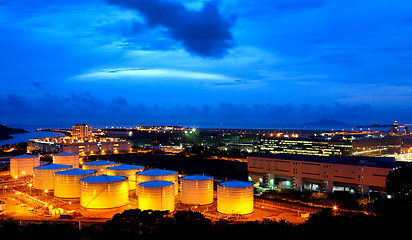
column 45, row 191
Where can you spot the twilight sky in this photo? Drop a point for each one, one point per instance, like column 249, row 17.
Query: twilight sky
column 266, row 63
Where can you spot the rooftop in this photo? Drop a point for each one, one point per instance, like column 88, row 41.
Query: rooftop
column 103, row 179
column 99, row 163
column 382, row 162
column 198, row 177
column 125, row 167
column 53, row 167
column 74, row 172
column 156, row 184
column 155, row 172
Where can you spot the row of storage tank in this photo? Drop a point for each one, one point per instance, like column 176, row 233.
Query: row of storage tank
column 104, row 184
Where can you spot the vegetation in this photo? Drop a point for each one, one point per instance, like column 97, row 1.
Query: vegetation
column 14, row 149
column 345, row 200
column 137, row 224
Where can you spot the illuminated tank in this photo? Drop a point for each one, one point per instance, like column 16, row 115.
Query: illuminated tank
column 99, row 166
column 158, row 175
column 23, row 165
column 104, row 191
column 235, row 197
column 197, row 190
column 156, row 195
column 126, row 170
column 67, row 159
column 43, row 177
column 67, row 183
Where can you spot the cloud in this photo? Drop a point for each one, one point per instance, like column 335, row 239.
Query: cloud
column 85, row 107
column 144, row 73
column 205, row 33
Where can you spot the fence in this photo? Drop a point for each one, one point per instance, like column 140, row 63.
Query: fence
column 286, row 205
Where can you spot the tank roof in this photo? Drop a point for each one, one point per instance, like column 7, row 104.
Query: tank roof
column 99, row 162
column 156, row 184
column 156, row 172
column 65, row 154
column 236, row 184
column 25, row 156
column 103, row 179
column 198, row 177
column 125, row 167
column 75, row 171
column 53, row 166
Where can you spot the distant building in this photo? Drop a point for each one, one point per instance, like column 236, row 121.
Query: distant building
column 243, row 147
column 82, row 131
column 320, row 173
column 377, row 146
column 80, row 146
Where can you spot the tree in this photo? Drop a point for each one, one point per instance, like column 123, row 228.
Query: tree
column 399, row 183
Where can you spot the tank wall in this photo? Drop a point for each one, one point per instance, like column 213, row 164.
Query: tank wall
column 169, row 178
column 129, row 173
column 67, row 160
column 21, row 167
column 156, row 198
column 234, row 200
column 68, row 186
column 104, row 195
column 100, row 169
column 43, row 179
column 197, row 192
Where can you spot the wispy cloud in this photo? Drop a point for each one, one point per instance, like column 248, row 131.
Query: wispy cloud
column 142, row 73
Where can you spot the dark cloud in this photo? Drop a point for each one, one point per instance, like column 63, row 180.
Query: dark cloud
column 85, row 107
column 205, row 33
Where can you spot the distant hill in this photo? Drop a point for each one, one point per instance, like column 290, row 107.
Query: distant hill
column 5, row 132
column 376, row 125
column 326, row 122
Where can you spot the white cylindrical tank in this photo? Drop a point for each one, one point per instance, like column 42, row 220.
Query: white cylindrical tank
column 126, row 170
column 235, row 197
column 67, row 159
column 43, row 177
column 197, row 190
column 99, row 166
column 67, row 183
column 104, row 192
column 158, row 175
column 23, row 165
column 156, row 195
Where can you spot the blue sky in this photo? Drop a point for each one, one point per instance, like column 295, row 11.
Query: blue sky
column 217, row 63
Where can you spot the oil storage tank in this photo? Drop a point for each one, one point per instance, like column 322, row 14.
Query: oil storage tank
column 126, row 170
column 158, row 175
column 67, row 183
column 23, row 165
column 67, row 159
column 156, row 195
column 104, row 191
column 99, row 166
column 43, row 177
column 197, row 190
column 235, row 197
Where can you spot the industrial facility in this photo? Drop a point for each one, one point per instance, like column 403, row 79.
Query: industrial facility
column 100, row 187
column 321, row 173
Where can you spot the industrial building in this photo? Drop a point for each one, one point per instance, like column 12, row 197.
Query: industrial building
column 320, row 173
column 81, row 131
column 80, row 146
column 332, row 146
